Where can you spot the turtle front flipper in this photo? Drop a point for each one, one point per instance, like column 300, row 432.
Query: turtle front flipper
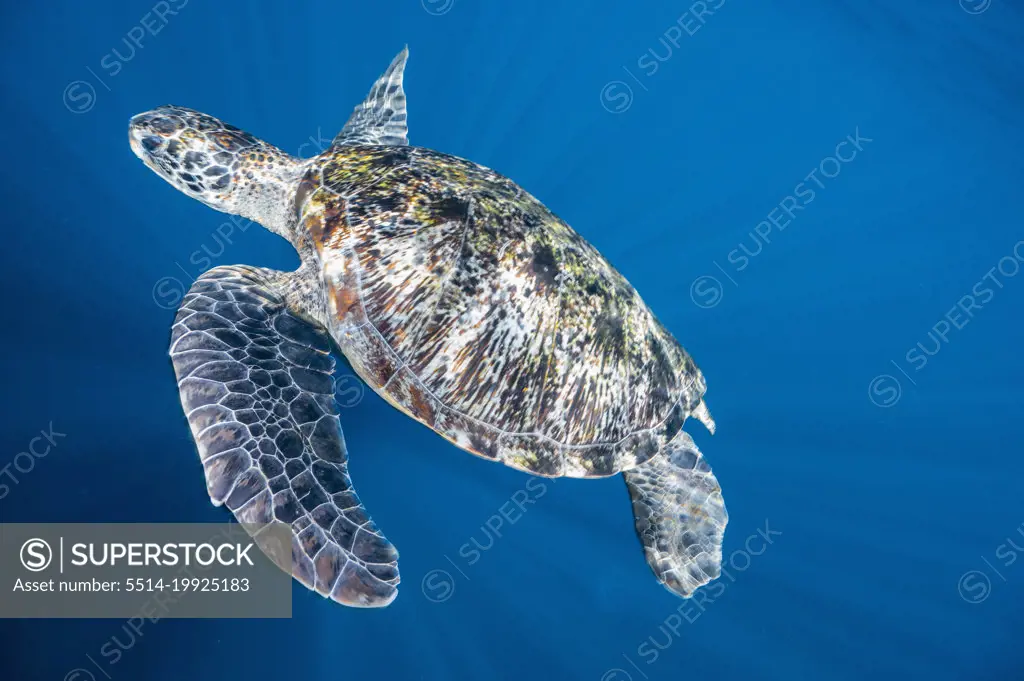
column 680, row 516
column 381, row 117
column 255, row 383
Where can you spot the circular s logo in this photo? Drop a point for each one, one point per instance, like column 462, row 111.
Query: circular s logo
column 79, row 674
column 706, row 292
column 437, row 7
column 348, row 390
column 79, row 96
column 616, row 675
column 616, row 97
column 168, row 293
column 884, row 391
column 438, row 586
column 36, row 555
column 975, row 6
column 974, row 586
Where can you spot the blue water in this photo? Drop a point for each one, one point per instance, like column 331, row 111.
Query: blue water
column 886, row 472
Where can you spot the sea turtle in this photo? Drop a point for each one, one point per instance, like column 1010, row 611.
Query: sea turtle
column 454, row 294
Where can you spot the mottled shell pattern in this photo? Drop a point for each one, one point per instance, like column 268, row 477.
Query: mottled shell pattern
column 468, row 305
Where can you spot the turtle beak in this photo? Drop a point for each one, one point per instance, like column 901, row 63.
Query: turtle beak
column 135, row 141
column 149, row 132
column 141, row 136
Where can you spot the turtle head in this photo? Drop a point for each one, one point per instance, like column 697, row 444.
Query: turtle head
column 224, row 167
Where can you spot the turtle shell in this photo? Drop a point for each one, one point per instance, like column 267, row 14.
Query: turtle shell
column 467, row 304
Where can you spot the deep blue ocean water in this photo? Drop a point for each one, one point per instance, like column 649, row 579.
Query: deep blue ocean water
column 855, row 308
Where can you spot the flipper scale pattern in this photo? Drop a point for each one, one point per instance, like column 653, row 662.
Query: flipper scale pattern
column 255, row 383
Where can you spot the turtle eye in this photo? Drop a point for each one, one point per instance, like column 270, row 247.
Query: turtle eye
column 151, row 143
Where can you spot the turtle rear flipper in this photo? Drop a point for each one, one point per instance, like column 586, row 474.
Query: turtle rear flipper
column 255, row 382
column 680, row 516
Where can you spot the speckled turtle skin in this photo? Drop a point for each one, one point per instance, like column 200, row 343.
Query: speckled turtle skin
column 471, row 307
